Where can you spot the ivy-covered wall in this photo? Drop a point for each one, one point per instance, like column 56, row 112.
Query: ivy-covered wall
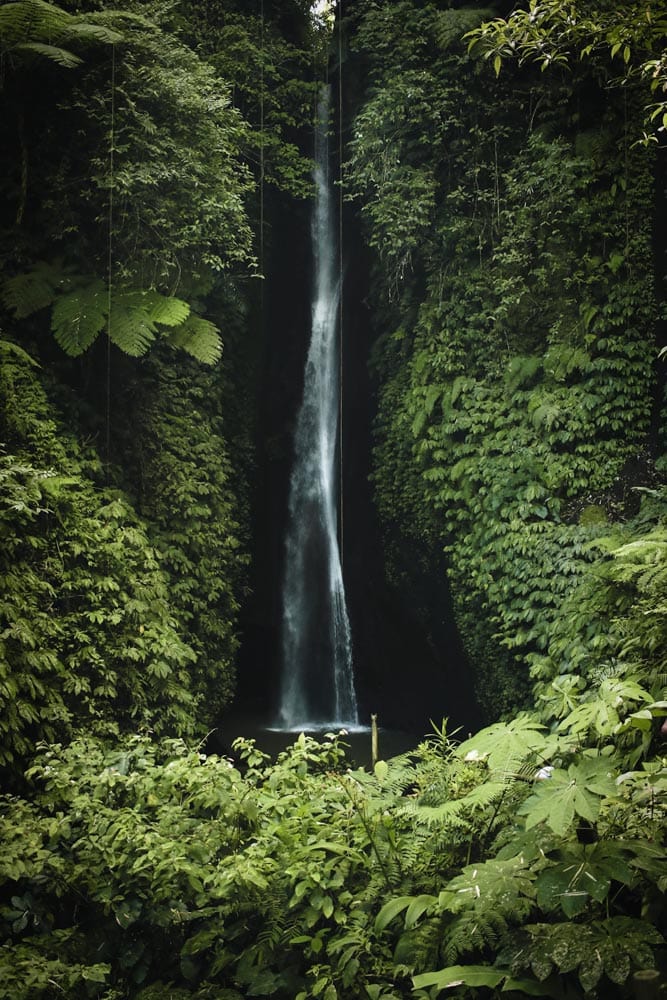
column 141, row 141
column 512, row 217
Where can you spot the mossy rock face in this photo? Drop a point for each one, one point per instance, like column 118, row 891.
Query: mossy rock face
column 593, row 515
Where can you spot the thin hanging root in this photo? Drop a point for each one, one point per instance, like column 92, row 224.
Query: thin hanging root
column 112, row 140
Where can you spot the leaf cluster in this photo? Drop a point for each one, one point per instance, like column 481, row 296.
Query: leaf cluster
column 516, row 314
column 83, row 307
column 87, row 635
column 150, row 867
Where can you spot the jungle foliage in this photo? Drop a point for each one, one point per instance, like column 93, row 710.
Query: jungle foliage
column 511, row 217
column 515, row 299
column 128, row 240
column 520, row 860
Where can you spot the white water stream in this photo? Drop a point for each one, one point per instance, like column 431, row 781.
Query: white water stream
column 317, row 679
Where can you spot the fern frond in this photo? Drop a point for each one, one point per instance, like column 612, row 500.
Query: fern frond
column 81, row 309
column 166, row 309
column 451, row 25
column 8, row 348
column 56, row 54
column 40, row 28
column 653, row 580
column 522, row 369
column 26, row 294
column 547, row 414
column 562, row 359
column 651, row 548
column 26, row 20
column 396, row 779
column 198, row 337
column 130, row 326
column 456, row 812
column 471, row 932
column 79, row 316
column 449, row 813
column 88, row 31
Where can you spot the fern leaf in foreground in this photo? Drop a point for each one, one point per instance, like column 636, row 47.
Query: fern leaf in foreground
column 130, row 328
column 198, row 337
column 136, row 317
column 456, row 812
column 28, row 19
column 79, row 316
column 26, row 294
column 166, row 310
column 63, row 57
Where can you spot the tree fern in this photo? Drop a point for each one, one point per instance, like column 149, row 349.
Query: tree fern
column 28, row 19
column 198, row 337
column 27, row 293
column 78, row 316
column 34, row 27
column 137, row 317
column 130, row 327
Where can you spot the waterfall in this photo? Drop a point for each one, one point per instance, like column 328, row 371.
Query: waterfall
column 317, row 679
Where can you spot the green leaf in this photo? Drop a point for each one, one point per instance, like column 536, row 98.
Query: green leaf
column 416, row 909
column 459, row 975
column 490, row 882
column 79, row 316
column 390, row 911
column 577, row 791
column 198, row 337
column 381, row 770
column 96, row 973
column 506, row 743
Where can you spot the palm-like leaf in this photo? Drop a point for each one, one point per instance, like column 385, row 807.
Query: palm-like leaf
column 56, row 54
column 27, row 293
column 136, row 317
column 37, row 28
column 79, row 316
column 200, row 338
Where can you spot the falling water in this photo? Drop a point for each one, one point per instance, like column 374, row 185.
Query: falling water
column 318, row 685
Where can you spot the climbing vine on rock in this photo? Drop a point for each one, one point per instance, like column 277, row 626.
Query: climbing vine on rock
column 190, row 492
column 516, row 377
column 87, row 636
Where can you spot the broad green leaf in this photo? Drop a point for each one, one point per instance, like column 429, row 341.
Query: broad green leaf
column 416, row 909
column 460, row 975
column 391, row 910
column 507, row 743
